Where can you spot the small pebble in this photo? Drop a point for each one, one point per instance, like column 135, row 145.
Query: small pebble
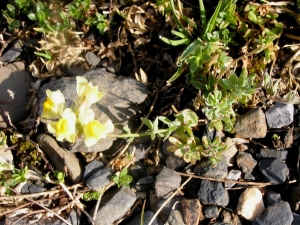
column 246, row 162
column 212, row 192
column 251, row 204
column 211, row 211
column 280, row 115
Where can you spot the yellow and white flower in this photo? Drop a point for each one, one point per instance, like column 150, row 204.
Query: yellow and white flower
column 65, row 127
column 54, row 104
column 94, row 131
column 87, row 93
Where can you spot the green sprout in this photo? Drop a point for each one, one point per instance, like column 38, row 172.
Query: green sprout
column 91, row 195
column 60, row 176
column 122, row 178
column 18, row 176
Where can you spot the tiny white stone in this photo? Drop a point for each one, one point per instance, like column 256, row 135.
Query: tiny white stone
column 251, row 204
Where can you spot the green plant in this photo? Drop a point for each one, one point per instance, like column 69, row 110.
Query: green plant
column 60, row 176
column 91, row 195
column 18, row 176
column 100, row 21
column 213, row 149
column 122, row 178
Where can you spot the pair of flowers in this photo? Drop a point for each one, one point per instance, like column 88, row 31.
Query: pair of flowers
column 71, row 124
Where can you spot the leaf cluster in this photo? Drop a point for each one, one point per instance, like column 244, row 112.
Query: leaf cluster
column 122, row 178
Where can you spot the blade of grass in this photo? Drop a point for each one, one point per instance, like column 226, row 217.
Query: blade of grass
column 202, row 13
column 178, row 23
column 211, row 23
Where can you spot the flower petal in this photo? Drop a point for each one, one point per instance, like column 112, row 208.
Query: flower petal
column 54, row 104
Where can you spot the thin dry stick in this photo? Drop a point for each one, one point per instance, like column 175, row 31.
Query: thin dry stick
column 40, row 194
column 28, row 214
column 167, row 200
column 260, row 184
column 98, row 203
column 29, row 203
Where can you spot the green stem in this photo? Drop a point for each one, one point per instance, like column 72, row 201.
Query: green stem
column 137, row 135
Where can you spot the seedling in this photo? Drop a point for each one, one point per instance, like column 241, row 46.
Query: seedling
column 122, row 178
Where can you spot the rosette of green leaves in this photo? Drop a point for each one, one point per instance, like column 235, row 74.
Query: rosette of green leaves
column 239, row 88
column 188, row 148
column 213, row 149
column 218, row 109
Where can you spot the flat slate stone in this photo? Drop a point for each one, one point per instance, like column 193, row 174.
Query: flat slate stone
column 251, row 124
column 166, row 182
column 271, row 153
column 114, row 205
column 99, row 179
column 15, row 79
column 273, row 170
column 280, row 115
column 279, row 213
column 212, row 192
column 123, row 103
column 91, row 168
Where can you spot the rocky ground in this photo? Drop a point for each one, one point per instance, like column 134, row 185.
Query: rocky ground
column 256, row 182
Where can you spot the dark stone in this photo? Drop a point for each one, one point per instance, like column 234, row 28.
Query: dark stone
column 15, row 79
column 175, row 218
column 204, row 168
column 273, row 170
column 114, row 205
column 91, row 168
column 211, row 211
column 271, row 197
column 30, row 188
column 174, row 162
column 147, row 217
column 137, row 170
column 212, row 192
column 192, row 211
column 271, row 153
column 166, row 182
column 279, row 213
column 99, row 179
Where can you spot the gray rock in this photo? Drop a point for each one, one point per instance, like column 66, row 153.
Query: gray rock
column 166, row 182
column 271, row 153
column 279, row 213
column 146, row 180
column 175, row 218
column 232, row 175
column 211, row 211
column 60, row 158
column 272, row 197
column 249, row 176
column 280, row 115
column 147, row 217
column 245, row 161
column 174, row 162
column 204, row 168
column 273, row 170
column 99, row 179
column 91, row 168
column 14, row 79
column 122, row 103
column 212, row 192
column 12, row 53
column 296, row 219
column 92, row 59
column 29, row 188
column 137, row 170
column 114, row 205
column 251, row 124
